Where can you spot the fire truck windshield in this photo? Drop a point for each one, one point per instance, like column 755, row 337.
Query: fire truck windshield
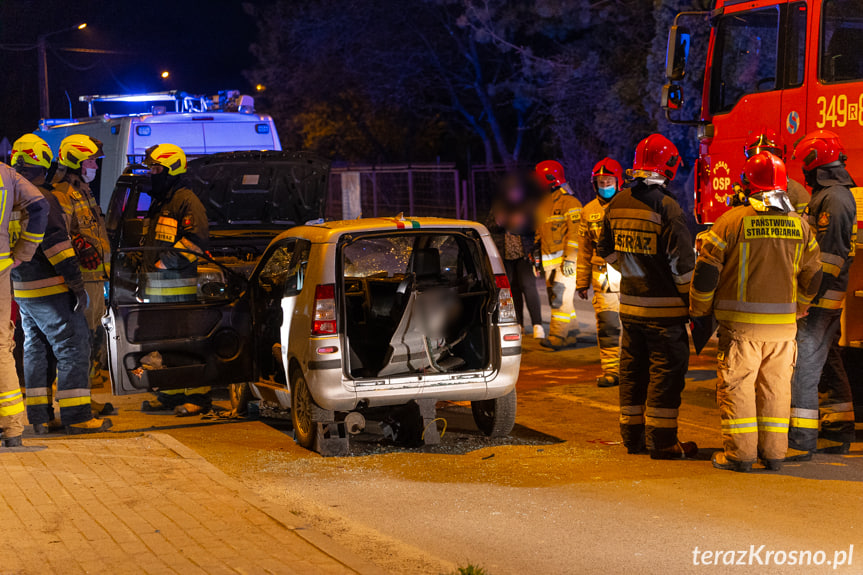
column 745, row 56
column 841, row 41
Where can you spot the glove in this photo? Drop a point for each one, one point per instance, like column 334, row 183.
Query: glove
column 582, row 293
column 568, row 268
column 82, row 300
column 88, row 257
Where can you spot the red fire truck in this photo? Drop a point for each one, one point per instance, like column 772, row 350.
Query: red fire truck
column 787, row 66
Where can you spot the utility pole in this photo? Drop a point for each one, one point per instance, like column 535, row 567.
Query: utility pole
column 42, row 54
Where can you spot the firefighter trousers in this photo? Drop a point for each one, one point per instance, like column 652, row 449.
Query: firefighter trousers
column 50, row 323
column 171, row 398
column 606, row 305
column 93, row 314
column 11, row 398
column 816, row 335
column 654, row 359
column 563, row 328
column 754, row 395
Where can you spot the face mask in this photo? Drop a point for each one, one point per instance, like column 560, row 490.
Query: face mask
column 88, row 174
column 606, row 193
column 159, row 183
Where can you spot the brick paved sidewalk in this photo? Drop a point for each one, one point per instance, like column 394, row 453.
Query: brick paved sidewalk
column 146, row 505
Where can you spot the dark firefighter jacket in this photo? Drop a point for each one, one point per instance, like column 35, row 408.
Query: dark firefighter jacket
column 54, row 268
column 644, row 236
column 832, row 213
column 756, row 270
column 179, row 221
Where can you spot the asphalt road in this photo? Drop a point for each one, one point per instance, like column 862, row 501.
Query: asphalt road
column 561, row 496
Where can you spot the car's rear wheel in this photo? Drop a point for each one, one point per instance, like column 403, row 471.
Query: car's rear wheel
column 305, row 413
column 495, row 417
column 241, row 395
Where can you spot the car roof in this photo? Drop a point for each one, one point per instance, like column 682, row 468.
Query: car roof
column 330, row 232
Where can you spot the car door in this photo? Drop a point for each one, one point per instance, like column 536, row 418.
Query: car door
column 274, row 288
column 165, row 337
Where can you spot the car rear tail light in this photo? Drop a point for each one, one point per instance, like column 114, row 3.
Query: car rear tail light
column 325, row 310
column 512, row 337
column 506, row 307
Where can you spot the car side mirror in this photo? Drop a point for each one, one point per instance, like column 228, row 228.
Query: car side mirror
column 672, row 97
column 679, row 41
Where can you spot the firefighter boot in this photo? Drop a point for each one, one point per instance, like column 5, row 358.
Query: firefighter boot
column 770, row 464
column 12, row 442
column 52, row 426
column 607, row 381
column 548, row 344
column 102, row 408
column 834, row 447
column 722, row 462
column 94, row 425
column 796, row 455
column 680, row 450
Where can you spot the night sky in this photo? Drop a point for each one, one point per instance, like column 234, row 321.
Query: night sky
column 203, row 44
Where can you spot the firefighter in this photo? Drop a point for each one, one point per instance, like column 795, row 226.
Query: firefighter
column 607, row 179
column 18, row 195
column 557, row 221
column 832, row 213
column 758, row 268
column 766, row 142
column 644, row 236
column 52, row 298
column 86, row 224
column 176, row 220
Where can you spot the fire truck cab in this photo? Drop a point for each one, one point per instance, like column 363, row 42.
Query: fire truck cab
column 787, row 66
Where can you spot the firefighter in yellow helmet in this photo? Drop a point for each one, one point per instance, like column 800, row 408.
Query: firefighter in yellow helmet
column 86, row 225
column 18, row 195
column 50, row 293
column 177, row 224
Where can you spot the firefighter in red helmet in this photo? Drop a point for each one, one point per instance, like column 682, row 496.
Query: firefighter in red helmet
column 832, row 213
column 592, row 270
column 761, row 252
column 644, row 235
column 766, row 141
column 557, row 221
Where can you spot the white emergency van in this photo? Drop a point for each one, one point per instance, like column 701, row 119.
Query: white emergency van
column 200, row 125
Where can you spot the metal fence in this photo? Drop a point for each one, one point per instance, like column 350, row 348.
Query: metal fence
column 416, row 190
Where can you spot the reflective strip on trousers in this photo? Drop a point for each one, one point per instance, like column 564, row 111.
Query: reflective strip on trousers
column 11, row 403
column 661, row 417
column 38, row 396
column 837, row 412
column 632, row 414
column 740, row 425
column 773, row 424
column 804, row 418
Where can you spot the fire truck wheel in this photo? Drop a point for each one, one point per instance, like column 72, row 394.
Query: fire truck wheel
column 495, row 417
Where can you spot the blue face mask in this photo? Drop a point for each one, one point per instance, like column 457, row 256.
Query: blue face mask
column 606, row 193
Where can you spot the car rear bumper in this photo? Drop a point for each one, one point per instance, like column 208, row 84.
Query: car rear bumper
column 331, row 389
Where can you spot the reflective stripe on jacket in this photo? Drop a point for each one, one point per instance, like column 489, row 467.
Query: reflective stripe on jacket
column 756, row 270
column 588, row 234
column 17, row 194
column 54, row 268
column 84, row 217
column 644, row 235
column 832, row 213
column 557, row 221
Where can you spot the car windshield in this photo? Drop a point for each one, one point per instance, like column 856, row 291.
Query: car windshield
column 841, row 41
column 745, row 56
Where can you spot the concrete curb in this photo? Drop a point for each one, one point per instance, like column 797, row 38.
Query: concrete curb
column 324, row 543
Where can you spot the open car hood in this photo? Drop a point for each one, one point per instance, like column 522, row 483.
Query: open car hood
column 260, row 189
